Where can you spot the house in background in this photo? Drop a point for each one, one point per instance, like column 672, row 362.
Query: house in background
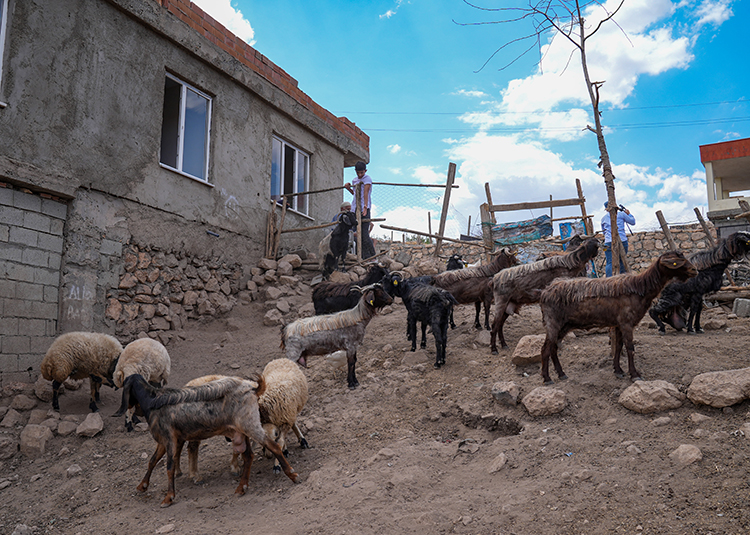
column 142, row 122
column 728, row 182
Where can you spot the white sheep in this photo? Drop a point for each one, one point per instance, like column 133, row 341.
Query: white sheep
column 281, row 402
column 79, row 355
column 145, row 357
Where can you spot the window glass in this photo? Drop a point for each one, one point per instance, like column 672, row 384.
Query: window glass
column 185, row 129
column 289, row 174
column 3, row 24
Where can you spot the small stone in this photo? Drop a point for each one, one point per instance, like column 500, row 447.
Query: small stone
column 91, row 426
column 73, row 470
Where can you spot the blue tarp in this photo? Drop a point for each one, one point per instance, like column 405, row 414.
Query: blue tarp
column 521, row 231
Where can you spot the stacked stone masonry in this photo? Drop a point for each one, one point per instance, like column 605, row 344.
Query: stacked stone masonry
column 159, row 291
column 31, row 246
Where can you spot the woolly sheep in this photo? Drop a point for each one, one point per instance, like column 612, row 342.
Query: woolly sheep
column 281, row 402
column 79, row 355
column 146, row 357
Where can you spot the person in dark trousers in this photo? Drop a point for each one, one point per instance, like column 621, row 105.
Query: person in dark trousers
column 623, row 216
column 364, row 203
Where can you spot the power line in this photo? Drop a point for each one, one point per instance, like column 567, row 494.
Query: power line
column 535, row 112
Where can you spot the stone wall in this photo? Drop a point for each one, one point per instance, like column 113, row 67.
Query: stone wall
column 160, row 290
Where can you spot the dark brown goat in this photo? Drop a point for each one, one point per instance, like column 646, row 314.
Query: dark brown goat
column 619, row 302
column 522, row 285
column 228, row 407
column 473, row 284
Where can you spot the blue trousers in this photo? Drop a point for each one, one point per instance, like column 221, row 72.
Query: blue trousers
column 608, row 256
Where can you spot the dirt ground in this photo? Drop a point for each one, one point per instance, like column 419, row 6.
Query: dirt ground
column 411, row 450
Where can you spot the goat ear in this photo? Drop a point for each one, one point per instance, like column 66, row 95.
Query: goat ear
column 674, row 263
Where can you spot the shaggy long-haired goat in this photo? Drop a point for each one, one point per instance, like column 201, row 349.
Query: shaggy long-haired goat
column 344, row 330
column 228, row 407
column 618, row 302
column 473, row 285
column 522, row 285
column 677, row 296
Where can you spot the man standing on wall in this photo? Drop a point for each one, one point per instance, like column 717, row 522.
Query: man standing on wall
column 364, row 203
column 623, row 216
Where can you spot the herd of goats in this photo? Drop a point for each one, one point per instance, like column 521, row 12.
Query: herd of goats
column 264, row 408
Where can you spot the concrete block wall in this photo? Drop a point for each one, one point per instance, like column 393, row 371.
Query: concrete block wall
column 31, row 246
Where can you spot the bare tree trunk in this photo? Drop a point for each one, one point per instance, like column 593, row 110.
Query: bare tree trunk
column 605, row 164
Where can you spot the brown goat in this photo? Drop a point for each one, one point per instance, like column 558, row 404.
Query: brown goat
column 227, row 407
column 473, row 285
column 522, row 285
column 619, row 302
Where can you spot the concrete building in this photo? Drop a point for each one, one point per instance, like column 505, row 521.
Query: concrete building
column 141, row 122
column 727, row 182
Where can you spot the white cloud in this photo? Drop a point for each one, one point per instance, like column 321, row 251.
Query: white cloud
column 714, row 12
column 471, row 93
column 428, row 175
column 388, row 14
column 232, row 18
column 394, row 149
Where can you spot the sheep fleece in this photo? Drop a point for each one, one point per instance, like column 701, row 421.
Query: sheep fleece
column 145, row 357
column 80, row 352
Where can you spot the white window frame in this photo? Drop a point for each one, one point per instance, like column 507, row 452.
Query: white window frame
column 295, row 201
column 3, row 26
column 184, row 88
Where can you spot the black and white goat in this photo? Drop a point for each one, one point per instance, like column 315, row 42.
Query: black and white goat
column 320, row 335
column 228, row 407
column 678, row 296
column 330, row 297
column 332, row 248
column 456, row 261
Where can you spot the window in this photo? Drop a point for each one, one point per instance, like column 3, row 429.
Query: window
column 290, row 173
column 3, row 24
column 185, row 129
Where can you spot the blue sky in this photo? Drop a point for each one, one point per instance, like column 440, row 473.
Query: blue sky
column 406, row 73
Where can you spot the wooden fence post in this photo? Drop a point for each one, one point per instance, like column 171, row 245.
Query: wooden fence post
column 484, row 212
column 665, row 229
column 711, row 240
column 446, row 204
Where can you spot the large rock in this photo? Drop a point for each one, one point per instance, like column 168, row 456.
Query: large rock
column 647, row 397
column 22, row 402
column 741, row 307
column 11, row 418
column 528, row 350
column 267, row 263
column 34, row 440
column 273, row 317
column 720, row 389
column 340, row 277
column 293, row 259
column 686, row 454
column 543, row 401
column 8, row 446
column 506, row 392
column 284, row 269
column 272, row 293
column 91, row 426
column 43, row 389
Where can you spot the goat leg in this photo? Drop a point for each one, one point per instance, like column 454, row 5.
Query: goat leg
column 477, row 325
column 423, row 343
column 550, row 346
column 158, row 454
column 351, row 377
column 193, row 447
column 247, row 459
column 169, row 498
column 655, row 316
column 274, row 448
column 627, row 337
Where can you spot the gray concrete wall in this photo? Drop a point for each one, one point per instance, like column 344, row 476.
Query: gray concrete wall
column 84, row 85
column 31, row 246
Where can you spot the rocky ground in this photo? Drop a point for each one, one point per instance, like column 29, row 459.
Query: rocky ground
column 413, row 449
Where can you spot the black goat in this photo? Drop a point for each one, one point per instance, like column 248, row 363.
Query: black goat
column 333, row 247
column 429, row 305
column 330, row 297
column 678, row 296
column 397, row 286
